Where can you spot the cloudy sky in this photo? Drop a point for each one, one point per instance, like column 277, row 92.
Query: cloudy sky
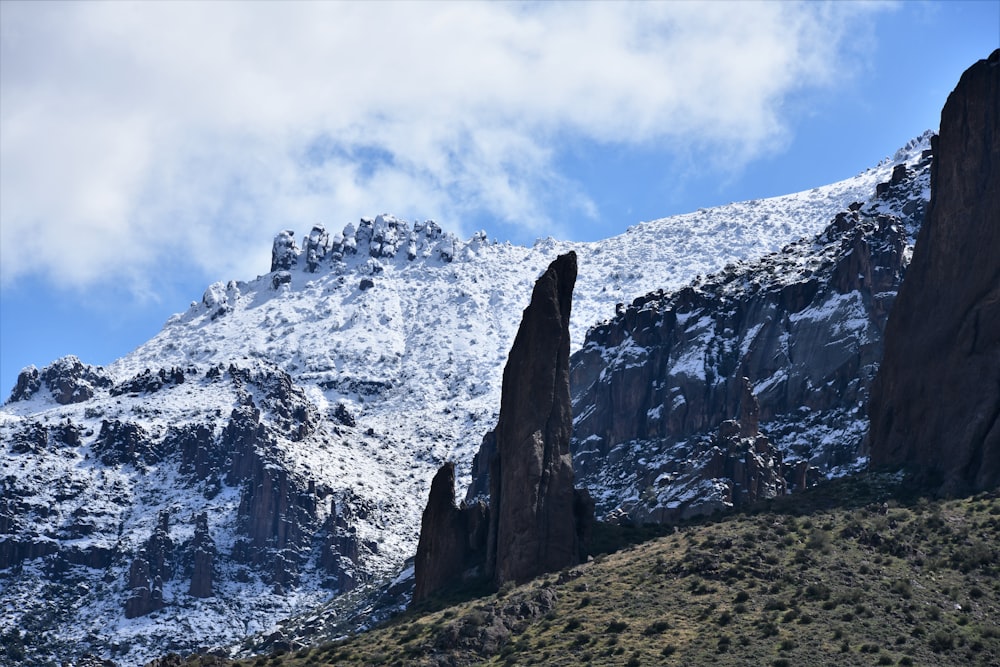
column 149, row 149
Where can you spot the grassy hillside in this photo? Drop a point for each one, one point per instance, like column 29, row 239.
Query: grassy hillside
column 854, row 572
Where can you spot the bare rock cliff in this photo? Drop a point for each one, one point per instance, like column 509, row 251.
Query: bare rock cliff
column 936, row 400
column 452, row 539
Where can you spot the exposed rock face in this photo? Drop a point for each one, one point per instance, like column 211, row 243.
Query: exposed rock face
column 145, row 593
column 316, row 248
column 125, row 443
column 652, row 385
column 384, row 236
column 339, row 557
column 936, row 402
column 69, row 380
column 532, row 527
column 452, row 545
column 203, row 549
column 149, row 570
column 284, row 251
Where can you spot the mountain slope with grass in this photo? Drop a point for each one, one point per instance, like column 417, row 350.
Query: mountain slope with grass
column 856, row 571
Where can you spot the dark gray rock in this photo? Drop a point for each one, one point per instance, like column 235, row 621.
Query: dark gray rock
column 536, row 521
column 284, row 252
column 28, row 383
column 203, row 556
column 341, row 549
column 68, row 379
column 532, row 526
column 452, row 547
column 122, row 442
column 651, row 386
column 936, row 401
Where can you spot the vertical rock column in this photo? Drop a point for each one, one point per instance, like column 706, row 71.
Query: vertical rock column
column 203, row 549
column 451, row 538
column 536, row 520
column 532, row 525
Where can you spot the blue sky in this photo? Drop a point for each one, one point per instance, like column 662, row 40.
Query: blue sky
column 150, row 149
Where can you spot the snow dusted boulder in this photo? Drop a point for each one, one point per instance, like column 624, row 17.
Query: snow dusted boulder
column 350, row 242
column 28, row 383
column 366, row 230
column 388, row 234
column 317, row 247
column 219, row 298
column 68, row 379
column 284, row 252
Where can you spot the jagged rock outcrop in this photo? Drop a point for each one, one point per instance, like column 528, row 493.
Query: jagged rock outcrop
column 124, row 442
column 651, row 386
column 536, row 521
column 149, row 382
column 341, row 548
column 747, row 457
column 68, row 379
column 533, row 528
column 317, row 246
column 145, row 593
column 384, row 236
column 452, row 546
column 153, row 566
column 284, row 251
column 203, row 556
column 936, row 401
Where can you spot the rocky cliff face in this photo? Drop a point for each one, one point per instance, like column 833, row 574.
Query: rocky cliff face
column 78, row 509
column 936, row 402
column 651, row 386
column 67, row 379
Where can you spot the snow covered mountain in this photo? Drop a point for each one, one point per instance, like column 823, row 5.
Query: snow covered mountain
column 273, row 445
column 787, row 344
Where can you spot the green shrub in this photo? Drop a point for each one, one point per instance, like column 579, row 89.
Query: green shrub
column 941, row 641
column 616, row 627
column 655, row 628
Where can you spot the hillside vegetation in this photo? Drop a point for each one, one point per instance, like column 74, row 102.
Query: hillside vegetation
column 856, row 571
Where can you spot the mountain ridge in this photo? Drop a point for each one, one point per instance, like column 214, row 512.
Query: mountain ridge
column 312, row 374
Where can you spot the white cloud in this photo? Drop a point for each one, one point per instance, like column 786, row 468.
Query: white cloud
column 134, row 132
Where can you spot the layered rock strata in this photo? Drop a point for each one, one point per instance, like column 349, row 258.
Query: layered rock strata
column 936, row 401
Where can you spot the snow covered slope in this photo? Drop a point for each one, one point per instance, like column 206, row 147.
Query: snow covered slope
column 304, row 413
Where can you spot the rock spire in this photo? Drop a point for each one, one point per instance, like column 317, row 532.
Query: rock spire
column 536, row 521
column 532, row 525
